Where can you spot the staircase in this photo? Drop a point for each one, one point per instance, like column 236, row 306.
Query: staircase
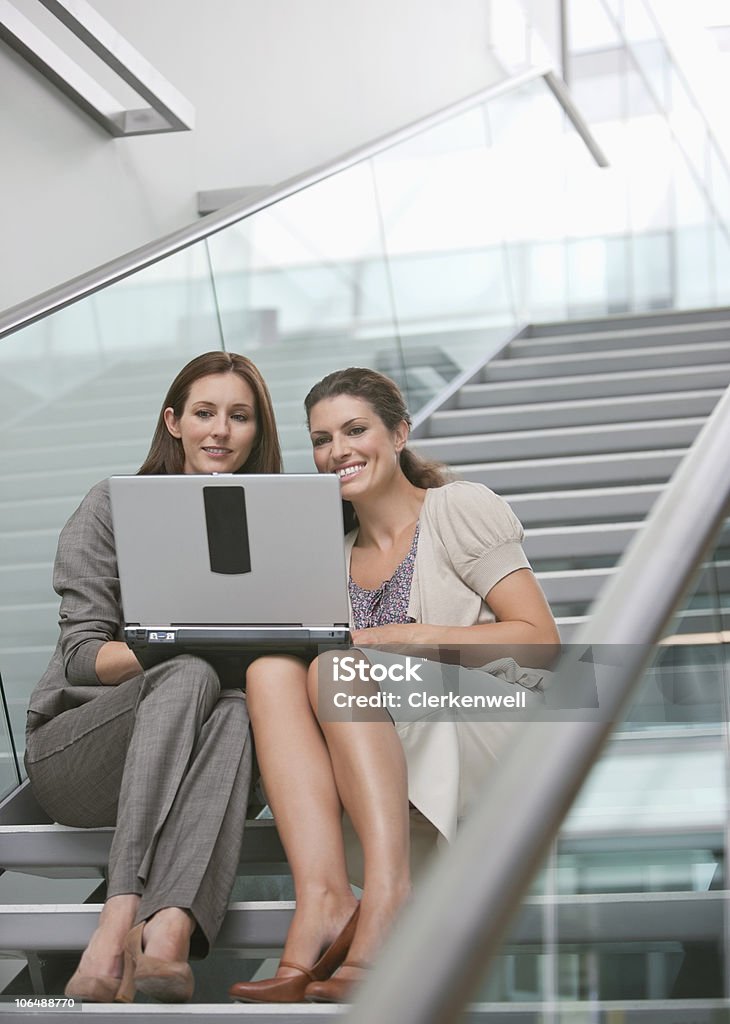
column 579, row 426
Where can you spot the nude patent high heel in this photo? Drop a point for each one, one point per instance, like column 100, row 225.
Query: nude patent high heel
column 291, row 989
column 169, row 981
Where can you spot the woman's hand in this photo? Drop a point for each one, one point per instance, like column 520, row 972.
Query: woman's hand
column 394, row 633
column 525, row 630
column 115, row 663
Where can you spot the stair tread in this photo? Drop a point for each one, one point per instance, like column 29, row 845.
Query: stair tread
column 584, row 403
column 706, row 348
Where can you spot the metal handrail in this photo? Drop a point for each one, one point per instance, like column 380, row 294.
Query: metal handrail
column 63, row 295
column 445, row 940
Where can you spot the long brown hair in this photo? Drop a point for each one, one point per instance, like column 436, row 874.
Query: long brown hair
column 387, row 401
column 166, row 454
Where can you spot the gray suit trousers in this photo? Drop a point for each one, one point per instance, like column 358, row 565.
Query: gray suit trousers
column 166, row 757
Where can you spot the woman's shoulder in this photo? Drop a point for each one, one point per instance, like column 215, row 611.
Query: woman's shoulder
column 463, row 493
column 99, row 493
column 463, row 507
column 97, row 499
column 94, row 506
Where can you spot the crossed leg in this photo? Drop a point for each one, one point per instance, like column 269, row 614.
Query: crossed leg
column 312, row 768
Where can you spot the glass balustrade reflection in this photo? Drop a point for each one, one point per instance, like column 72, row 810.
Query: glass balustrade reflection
column 631, row 903
column 84, row 390
column 303, row 288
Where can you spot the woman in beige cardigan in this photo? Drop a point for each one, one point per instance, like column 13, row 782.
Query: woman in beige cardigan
column 433, row 564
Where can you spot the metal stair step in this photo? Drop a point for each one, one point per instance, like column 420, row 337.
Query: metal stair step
column 262, row 925
column 569, row 626
column 628, row 321
column 576, row 541
column 561, row 441
column 51, row 850
column 600, row 362
column 583, row 386
column 574, row 413
column 531, row 475
column 689, row 620
column 590, row 505
column 254, row 925
column 566, row 587
column 622, row 337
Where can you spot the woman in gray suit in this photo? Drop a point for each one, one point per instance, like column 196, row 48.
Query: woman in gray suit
column 163, row 754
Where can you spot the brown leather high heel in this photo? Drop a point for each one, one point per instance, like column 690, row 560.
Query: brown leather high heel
column 291, row 989
column 90, row 988
column 335, row 990
column 169, row 981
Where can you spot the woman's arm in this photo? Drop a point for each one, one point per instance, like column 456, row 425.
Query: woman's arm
column 525, row 630
column 90, row 617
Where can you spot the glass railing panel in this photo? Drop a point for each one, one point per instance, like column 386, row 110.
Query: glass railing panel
column 591, row 26
column 438, row 232
column 688, row 124
column 652, row 271
column 693, row 253
column 303, row 288
column 540, row 273
column 719, row 185
column 454, row 245
column 301, row 257
column 649, row 50
column 641, row 859
column 719, row 181
column 663, row 158
column 631, row 903
column 91, row 379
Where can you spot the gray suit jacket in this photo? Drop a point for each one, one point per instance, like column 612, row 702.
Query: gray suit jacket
column 86, row 578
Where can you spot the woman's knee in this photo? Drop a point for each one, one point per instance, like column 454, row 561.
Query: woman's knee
column 186, row 679
column 273, row 679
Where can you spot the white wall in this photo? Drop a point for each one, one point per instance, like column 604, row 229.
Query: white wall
column 278, row 85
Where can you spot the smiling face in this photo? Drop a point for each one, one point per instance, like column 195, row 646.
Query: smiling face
column 351, row 440
column 218, row 424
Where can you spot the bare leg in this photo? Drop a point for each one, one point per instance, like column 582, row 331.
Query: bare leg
column 300, row 787
column 371, row 778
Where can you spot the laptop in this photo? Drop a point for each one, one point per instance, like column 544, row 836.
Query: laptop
column 230, row 564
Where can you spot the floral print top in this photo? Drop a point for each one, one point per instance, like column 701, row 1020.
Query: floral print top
column 388, row 602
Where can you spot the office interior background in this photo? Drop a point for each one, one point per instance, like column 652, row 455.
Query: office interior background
column 522, row 213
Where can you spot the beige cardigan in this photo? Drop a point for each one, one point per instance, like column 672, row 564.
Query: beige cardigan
column 469, row 539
